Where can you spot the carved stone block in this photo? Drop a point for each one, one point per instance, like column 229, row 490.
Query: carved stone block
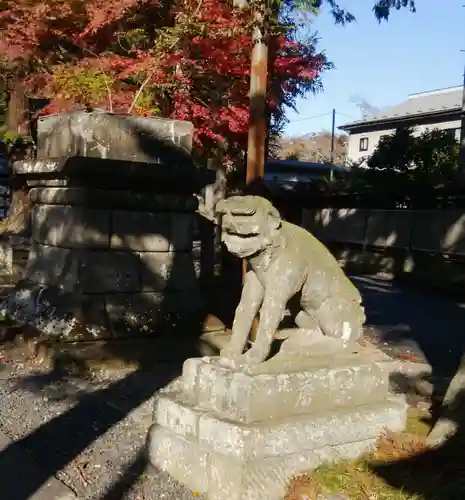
column 54, row 266
column 278, row 437
column 220, row 476
column 134, row 313
column 141, row 231
column 210, row 433
column 70, row 227
column 145, row 313
column 105, row 272
column 57, row 313
column 104, row 135
column 181, row 236
column 113, row 199
column 168, row 270
column 317, row 383
column 184, row 460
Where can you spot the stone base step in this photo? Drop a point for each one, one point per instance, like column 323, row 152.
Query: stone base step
column 220, row 477
column 278, row 437
column 224, row 459
column 305, row 385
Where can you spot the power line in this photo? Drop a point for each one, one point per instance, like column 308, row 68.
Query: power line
column 321, row 116
column 310, row 117
column 346, row 116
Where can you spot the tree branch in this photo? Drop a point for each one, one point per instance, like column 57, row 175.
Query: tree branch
column 149, row 77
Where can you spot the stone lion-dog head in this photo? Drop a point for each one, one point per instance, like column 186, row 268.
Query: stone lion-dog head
column 249, row 225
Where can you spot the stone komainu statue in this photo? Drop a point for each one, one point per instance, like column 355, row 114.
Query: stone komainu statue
column 286, row 262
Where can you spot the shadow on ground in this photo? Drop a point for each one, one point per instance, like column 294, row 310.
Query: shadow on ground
column 415, row 324
column 418, row 324
column 436, row 474
column 58, row 441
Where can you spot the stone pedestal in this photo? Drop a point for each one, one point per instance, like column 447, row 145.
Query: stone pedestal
column 113, row 203
column 242, row 436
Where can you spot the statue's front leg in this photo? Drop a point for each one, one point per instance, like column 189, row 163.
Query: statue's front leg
column 247, row 310
column 271, row 315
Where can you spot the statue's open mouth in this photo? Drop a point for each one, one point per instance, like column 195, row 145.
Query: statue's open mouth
column 232, row 232
column 240, row 244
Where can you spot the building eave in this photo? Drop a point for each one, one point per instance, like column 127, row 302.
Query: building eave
column 393, row 122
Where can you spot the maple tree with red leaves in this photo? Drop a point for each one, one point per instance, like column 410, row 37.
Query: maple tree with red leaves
column 184, row 59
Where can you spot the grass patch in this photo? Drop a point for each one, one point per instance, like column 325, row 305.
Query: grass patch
column 398, row 460
column 417, row 422
column 356, row 479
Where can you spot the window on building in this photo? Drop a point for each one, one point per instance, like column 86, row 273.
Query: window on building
column 363, row 144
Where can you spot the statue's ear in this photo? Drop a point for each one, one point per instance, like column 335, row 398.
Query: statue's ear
column 274, row 217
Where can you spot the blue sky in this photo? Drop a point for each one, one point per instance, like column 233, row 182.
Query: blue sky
column 383, row 63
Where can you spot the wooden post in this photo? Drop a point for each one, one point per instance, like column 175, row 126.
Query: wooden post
column 258, row 120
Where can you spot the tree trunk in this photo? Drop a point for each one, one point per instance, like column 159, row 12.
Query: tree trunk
column 453, row 409
column 17, row 222
column 17, row 113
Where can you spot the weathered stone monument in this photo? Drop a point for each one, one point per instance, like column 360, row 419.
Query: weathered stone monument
column 113, row 202
column 240, row 425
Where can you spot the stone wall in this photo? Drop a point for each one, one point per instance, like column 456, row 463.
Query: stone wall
column 434, row 231
column 427, row 245
column 118, row 261
column 111, row 240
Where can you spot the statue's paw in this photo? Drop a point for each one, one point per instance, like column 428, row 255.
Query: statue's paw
column 232, row 364
column 255, row 355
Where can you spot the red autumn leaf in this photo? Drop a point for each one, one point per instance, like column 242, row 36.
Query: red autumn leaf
column 192, row 55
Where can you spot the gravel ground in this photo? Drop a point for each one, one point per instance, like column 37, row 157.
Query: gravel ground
column 89, row 432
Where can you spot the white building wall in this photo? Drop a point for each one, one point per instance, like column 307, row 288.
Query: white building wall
column 355, row 155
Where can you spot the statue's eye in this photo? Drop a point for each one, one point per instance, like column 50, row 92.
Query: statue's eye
column 238, row 211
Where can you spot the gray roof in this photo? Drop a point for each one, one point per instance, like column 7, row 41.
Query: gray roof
column 436, row 101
